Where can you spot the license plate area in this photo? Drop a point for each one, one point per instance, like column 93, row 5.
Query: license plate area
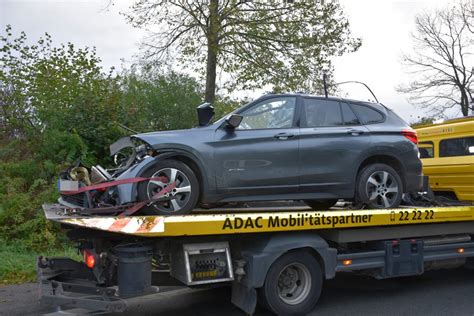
column 68, row 185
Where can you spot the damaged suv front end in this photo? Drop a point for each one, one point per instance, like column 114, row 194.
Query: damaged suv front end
column 130, row 156
column 112, row 190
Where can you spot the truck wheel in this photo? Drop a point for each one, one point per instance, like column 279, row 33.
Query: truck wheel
column 183, row 198
column 379, row 186
column 293, row 284
column 320, row 204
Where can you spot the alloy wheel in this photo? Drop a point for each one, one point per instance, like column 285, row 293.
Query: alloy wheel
column 382, row 189
column 178, row 197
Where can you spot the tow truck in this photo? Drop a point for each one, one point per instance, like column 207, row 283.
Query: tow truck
column 278, row 256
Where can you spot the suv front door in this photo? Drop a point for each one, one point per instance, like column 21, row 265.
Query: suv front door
column 261, row 155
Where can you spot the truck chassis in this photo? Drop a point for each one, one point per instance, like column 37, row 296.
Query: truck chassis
column 279, row 255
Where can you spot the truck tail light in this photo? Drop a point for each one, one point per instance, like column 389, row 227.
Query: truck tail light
column 411, row 135
column 89, row 258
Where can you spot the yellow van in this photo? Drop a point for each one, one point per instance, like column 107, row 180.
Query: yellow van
column 447, row 153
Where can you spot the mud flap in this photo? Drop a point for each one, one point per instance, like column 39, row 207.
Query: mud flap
column 244, row 298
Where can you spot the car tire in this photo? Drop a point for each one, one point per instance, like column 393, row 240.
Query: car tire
column 321, row 204
column 379, row 186
column 185, row 197
column 293, row 284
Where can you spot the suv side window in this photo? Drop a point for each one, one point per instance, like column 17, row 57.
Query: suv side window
column 366, row 114
column 456, row 147
column 322, row 113
column 348, row 115
column 270, row 113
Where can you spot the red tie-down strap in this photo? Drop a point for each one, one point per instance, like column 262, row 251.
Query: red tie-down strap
column 160, row 196
column 106, row 185
column 129, row 209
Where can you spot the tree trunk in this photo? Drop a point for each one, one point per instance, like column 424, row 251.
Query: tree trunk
column 464, row 103
column 210, row 93
column 212, row 45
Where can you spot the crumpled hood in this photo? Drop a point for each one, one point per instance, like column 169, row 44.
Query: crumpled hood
column 182, row 136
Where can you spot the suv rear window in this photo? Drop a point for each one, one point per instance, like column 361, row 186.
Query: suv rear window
column 366, row 114
column 456, row 147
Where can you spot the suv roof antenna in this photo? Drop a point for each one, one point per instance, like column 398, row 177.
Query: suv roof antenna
column 344, row 82
column 325, row 85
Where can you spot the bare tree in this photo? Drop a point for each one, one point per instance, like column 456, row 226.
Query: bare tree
column 442, row 62
column 286, row 44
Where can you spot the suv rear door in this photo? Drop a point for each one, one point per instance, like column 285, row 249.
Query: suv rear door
column 332, row 142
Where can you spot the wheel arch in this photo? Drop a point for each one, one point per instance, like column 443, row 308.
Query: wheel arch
column 186, row 157
column 192, row 162
column 387, row 159
column 260, row 256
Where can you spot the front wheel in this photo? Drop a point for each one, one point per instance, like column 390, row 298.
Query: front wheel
column 182, row 199
column 379, row 186
column 293, row 284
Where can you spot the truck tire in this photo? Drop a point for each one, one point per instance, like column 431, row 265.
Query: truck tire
column 293, row 284
column 182, row 201
column 379, row 186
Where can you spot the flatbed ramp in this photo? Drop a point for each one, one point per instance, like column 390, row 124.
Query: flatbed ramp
column 262, row 221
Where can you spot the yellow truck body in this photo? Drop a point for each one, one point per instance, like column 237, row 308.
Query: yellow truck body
column 447, row 153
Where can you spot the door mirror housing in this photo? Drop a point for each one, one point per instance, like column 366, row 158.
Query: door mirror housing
column 233, row 120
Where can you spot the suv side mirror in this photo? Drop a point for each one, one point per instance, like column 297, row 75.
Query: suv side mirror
column 234, row 120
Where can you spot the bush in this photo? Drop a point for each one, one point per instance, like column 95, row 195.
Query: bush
column 58, row 106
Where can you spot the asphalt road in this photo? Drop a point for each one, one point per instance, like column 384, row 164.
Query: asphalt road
column 444, row 292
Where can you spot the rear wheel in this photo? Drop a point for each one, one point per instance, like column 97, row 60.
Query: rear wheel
column 293, row 284
column 182, row 199
column 321, row 204
column 379, row 186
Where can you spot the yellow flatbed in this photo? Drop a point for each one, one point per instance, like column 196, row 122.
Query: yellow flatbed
column 261, row 220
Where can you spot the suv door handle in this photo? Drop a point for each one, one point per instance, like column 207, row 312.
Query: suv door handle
column 355, row 132
column 284, row 136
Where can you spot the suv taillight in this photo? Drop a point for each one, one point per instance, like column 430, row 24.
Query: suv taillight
column 411, row 135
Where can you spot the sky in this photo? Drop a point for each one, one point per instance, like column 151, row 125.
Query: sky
column 383, row 25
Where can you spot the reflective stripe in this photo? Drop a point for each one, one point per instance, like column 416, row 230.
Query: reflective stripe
column 105, row 224
column 119, row 224
column 132, row 226
column 159, row 226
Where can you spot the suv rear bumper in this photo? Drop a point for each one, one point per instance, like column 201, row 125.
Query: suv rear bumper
column 414, row 183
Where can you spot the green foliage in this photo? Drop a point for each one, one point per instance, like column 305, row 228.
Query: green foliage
column 57, row 106
column 19, row 262
column 159, row 101
column 284, row 45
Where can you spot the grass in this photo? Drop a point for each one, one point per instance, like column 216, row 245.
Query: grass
column 18, row 265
